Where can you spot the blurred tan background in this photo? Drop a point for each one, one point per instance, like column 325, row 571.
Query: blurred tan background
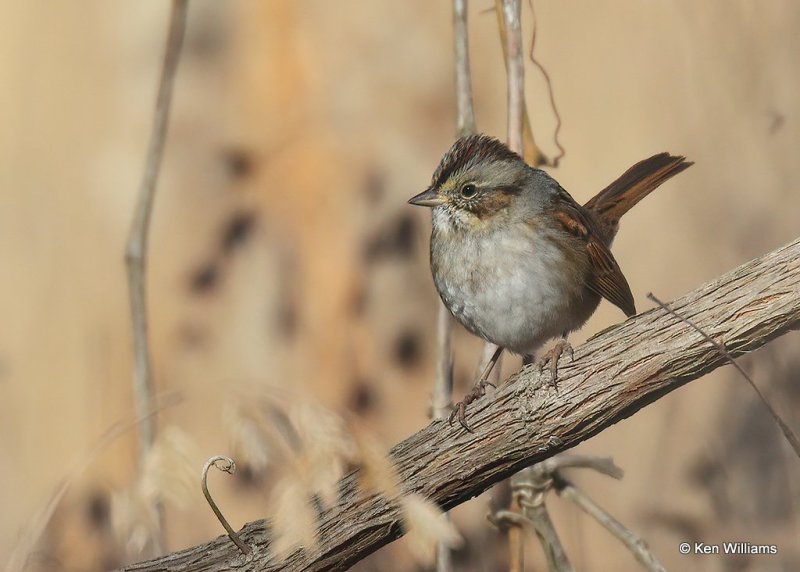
column 283, row 252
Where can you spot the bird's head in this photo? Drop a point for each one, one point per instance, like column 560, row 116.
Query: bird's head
column 479, row 180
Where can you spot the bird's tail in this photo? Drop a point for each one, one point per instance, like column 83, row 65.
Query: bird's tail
column 635, row 184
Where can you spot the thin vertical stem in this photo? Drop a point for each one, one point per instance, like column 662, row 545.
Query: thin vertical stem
column 530, row 150
column 515, row 75
column 466, row 116
column 465, row 125
column 516, row 545
column 443, row 385
column 511, row 37
column 136, row 248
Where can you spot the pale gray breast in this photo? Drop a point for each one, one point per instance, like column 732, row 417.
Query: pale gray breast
column 508, row 288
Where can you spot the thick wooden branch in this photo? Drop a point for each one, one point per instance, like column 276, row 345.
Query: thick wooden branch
column 614, row 374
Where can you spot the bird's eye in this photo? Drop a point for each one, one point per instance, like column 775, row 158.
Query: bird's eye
column 468, row 191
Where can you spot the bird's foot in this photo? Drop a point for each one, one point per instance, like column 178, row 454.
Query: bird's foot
column 550, row 358
column 460, row 410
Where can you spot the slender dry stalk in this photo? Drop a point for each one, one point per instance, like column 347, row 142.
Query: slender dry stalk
column 512, row 523
column 465, row 125
column 136, row 248
column 516, row 544
column 466, row 114
column 509, row 14
column 603, row 465
column 556, row 556
column 443, row 384
column 530, row 487
column 167, row 476
column 500, row 500
column 530, row 150
column 442, row 403
column 515, row 73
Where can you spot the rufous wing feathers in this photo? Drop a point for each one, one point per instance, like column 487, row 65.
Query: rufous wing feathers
column 606, row 278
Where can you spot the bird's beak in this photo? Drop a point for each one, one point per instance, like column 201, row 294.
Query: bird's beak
column 427, row 198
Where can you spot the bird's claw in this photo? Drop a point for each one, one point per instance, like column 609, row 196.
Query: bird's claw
column 460, row 410
column 552, row 356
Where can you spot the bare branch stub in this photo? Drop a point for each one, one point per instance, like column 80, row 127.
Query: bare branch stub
column 615, row 374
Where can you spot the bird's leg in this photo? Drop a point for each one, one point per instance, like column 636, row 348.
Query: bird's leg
column 478, row 391
column 552, row 356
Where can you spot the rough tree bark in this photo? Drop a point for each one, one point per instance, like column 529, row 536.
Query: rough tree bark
column 614, row 374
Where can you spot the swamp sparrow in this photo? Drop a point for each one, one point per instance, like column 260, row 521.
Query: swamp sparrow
column 515, row 259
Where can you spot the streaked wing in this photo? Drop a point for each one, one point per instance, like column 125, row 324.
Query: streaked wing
column 606, row 277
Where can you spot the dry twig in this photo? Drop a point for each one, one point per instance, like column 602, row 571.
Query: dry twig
column 634, row 543
column 227, row 465
column 561, row 151
column 531, row 486
column 785, row 429
column 442, row 402
column 466, row 114
column 136, row 248
column 515, row 71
